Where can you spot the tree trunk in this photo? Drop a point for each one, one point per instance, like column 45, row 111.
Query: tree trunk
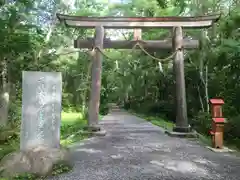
column 49, row 33
column 206, row 87
column 85, row 92
column 4, row 96
column 200, row 99
column 203, row 70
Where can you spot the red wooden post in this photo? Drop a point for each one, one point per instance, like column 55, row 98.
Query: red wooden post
column 217, row 123
column 216, row 106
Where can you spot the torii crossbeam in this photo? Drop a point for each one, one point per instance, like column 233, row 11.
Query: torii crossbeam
column 178, row 44
column 138, row 22
column 124, row 44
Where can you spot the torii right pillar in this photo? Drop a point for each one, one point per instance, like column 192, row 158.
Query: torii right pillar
column 182, row 128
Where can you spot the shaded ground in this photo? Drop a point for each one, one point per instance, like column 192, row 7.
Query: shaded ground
column 135, row 149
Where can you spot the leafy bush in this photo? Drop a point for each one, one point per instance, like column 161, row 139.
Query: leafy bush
column 104, row 110
column 201, row 122
column 232, row 133
column 14, row 113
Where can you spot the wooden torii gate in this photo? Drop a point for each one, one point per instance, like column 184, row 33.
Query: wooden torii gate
column 177, row 44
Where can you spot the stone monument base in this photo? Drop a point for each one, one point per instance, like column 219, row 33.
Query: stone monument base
column 39, row 161
column 223, row 150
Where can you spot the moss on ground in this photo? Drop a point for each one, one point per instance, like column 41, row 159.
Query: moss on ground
column 72, row 128
column 158, row 121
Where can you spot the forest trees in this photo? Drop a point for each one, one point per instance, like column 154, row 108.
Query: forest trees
column 32, row 39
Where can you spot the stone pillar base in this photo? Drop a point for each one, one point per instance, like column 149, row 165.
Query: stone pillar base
column 100, row 133
column 95, row 130
column 182, row 134
column 182, row 129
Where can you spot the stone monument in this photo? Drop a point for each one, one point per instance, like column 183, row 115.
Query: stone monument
column 40, row 147
column 41, row 109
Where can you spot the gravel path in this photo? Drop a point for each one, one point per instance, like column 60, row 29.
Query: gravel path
column 135, row 149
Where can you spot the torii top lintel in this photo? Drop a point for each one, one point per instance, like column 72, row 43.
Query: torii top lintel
column 138, row 22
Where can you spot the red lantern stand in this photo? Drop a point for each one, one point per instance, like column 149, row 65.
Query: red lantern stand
column 217, row 123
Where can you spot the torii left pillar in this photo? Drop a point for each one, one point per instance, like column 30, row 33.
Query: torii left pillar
column 93, row 111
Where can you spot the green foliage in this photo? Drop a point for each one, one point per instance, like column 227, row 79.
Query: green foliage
column 15, row 113
column 25, row 176
column 73, row 128
column 10, row 134
column 202, row 122
column 104, row 109
column 69, row 129
column 61, row 168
